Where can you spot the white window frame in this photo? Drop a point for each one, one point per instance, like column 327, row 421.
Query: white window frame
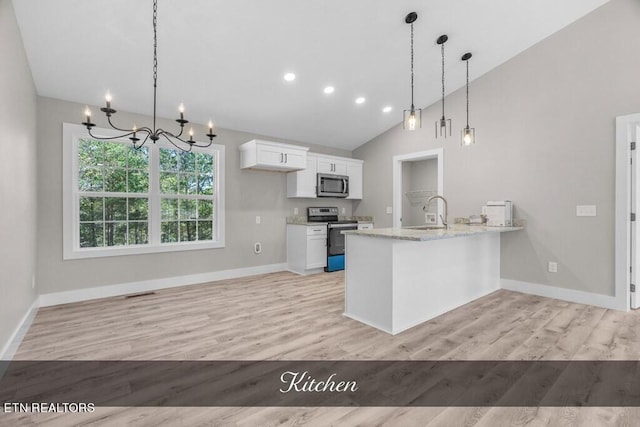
column 71, row 134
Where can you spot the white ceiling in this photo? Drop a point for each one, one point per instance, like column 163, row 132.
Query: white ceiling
column 225, row 59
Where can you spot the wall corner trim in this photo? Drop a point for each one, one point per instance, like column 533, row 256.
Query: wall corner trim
column 66, row 297
column 11, row 346
column 570, row 295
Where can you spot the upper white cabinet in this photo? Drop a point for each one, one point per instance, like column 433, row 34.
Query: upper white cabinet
column 332, row 165
column 354, row 172
column 302, row 184
column 273, row 156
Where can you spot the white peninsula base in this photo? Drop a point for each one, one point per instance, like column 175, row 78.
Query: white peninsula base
column 394, row 283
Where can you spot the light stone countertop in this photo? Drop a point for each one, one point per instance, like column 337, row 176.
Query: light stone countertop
column 413, row 234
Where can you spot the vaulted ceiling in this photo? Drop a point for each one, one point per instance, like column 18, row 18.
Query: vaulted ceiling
column 225, row 60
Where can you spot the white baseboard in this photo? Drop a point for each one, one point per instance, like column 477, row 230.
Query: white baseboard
column 66, row 297
column 571, row 295
column 11, row 346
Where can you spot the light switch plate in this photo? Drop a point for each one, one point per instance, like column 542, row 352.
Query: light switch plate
column 389, row 210
column 586, row 210
column 258, row 220
column 553, row 267
column 295, row 211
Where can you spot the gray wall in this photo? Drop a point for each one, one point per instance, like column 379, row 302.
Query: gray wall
column 545, row 139
column 17, row 176
column 248, row 193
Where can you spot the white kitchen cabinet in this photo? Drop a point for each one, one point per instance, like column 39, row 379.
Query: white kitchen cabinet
column 332, row 165
column 272, row 156
column 302, row 183
column 354, row 172
column 306, row 248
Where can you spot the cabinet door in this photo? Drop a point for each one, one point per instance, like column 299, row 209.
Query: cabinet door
column 302, row 183
column 295, row 159
column 316, row 251
column 269, row 155
column 332, row 166
column 354, row 172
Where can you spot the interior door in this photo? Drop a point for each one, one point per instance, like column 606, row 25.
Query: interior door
column 635, row 230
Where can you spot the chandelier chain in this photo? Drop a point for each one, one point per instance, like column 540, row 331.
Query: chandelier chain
column 467, row 61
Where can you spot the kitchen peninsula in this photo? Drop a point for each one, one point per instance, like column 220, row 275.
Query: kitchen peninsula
column 396, row 278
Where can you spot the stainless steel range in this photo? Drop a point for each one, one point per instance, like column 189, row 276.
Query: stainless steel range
column 335, row 238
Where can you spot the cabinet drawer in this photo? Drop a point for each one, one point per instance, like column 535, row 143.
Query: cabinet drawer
column 365, row 226
column 317, row 230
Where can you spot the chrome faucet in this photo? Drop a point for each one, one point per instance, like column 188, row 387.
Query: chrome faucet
column 444, row 219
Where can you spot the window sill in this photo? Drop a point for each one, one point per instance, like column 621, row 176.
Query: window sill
column 139, row 250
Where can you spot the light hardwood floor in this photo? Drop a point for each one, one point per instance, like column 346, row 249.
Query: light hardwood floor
column 291, row 317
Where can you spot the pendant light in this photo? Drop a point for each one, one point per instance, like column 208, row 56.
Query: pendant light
column 468, row 135
column 152, row 133
column 412, row 118
column 443, row 123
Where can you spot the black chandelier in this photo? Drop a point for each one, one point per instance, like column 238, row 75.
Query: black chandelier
column 443, row 123
column 153, row 134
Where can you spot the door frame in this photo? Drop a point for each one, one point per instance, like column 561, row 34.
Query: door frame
column 437, row 153
column 626, row 130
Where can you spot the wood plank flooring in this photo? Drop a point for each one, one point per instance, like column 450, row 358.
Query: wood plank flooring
column 289, row 317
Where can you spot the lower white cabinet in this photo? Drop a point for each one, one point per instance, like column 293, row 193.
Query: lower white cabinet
column 306, row 248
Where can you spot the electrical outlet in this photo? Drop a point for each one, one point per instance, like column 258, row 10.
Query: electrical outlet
column 389, row 210
column 257, row 248
column 553, row 267
column 344, row 211
column 258, row 219
column 295, row 211
column 430, row 218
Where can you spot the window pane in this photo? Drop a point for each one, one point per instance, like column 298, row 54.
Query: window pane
column 188, row 184
column 138, row 158
column 138, row 209
column 169, row 208
column 188, row 231
column 169, row 232
column 205, row 185
column 115, row 233
column 138, row 182
column 90, row 153
column 91, row 209
column 205, row 230
column 91, row 235
column 187, row 162
column 204, row 163
column 168, row 160
column 115, row 208
column 205, row 209
column 90, row 179
column 115, row 180
column 168, row 183
column 138, row 233
column 187, row 209
column 115, row 154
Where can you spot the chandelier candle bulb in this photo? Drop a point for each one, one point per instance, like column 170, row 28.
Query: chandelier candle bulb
column 108, row 98
column 87, row 112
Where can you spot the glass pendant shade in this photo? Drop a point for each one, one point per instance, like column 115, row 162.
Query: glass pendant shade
column 412, row 118
column 467, row 136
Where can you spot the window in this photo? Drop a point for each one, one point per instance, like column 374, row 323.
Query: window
column 119, row 200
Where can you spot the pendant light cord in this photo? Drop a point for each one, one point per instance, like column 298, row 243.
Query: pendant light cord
column 442, row 50
column 412, row 106
column 467, row 61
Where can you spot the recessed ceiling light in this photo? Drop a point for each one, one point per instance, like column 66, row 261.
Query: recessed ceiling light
column 387, row 109
column 289, row 77
column 360, row 100
column 328, row 89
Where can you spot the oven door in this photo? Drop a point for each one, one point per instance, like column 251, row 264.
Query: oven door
column 333, row 185
column 335, row 245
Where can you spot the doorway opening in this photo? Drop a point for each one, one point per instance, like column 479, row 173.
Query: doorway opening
column 416, row 177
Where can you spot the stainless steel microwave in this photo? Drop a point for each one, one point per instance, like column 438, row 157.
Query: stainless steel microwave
column 332, row 185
